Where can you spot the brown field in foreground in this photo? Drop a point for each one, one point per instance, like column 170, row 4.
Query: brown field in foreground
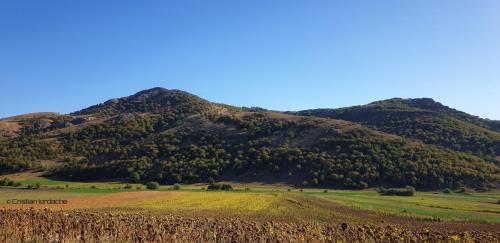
column 92, row 226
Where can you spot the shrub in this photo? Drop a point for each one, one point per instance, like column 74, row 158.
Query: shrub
column 213, row 186
column 447, row 191
column 176, row 186
column 37, row 185
column 128, row 186
column 406, row 191
column 135, row 177
column 325, row 191
column 10, row 183
column 381, row 189
column 363, row 184
column 226, row 187
column 152, row 185
column 482, row 189
column 217, row 186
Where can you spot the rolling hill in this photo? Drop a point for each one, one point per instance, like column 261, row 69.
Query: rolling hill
column 425, row 120
column 173, row 136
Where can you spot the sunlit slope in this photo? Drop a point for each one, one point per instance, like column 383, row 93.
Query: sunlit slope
column 172, row 136
column 425, row 120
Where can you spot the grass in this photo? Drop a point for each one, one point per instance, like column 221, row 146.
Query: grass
column 43, row 181
column 79, row 187
column 471, row 207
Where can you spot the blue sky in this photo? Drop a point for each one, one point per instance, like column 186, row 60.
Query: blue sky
column 284, row 55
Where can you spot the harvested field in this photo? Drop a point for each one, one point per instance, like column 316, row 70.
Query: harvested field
column 88, row 226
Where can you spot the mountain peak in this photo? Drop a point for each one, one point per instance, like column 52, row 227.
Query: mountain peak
column 157, row 92
column 154, row 100
column 152, row 91
column 422, row 103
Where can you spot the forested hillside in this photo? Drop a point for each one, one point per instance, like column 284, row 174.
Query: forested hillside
column 425, row 120
column 173, row 136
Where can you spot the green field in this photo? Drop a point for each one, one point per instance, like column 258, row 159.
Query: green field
column 454, row 206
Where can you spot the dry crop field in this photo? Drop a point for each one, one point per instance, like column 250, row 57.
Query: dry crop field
column 88, row 226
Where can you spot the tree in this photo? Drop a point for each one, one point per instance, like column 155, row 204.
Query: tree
column 152, row 185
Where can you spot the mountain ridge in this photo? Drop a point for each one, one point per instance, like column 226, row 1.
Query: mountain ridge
column 425, row 120
column 174, row 136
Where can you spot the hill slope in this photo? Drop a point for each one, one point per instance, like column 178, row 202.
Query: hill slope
column 425, row 120
column 173, row 136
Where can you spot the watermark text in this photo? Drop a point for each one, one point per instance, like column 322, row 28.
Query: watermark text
column 37, row 201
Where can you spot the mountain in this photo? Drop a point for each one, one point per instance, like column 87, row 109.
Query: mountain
column 425, row 120
column 155, row 100
column 173, row 136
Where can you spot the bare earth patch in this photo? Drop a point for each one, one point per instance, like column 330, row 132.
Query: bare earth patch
column 27, row 175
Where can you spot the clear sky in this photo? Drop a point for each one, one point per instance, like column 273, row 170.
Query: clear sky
column 285, row 55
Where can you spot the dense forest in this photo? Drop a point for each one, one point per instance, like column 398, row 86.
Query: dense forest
column 174, row 137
